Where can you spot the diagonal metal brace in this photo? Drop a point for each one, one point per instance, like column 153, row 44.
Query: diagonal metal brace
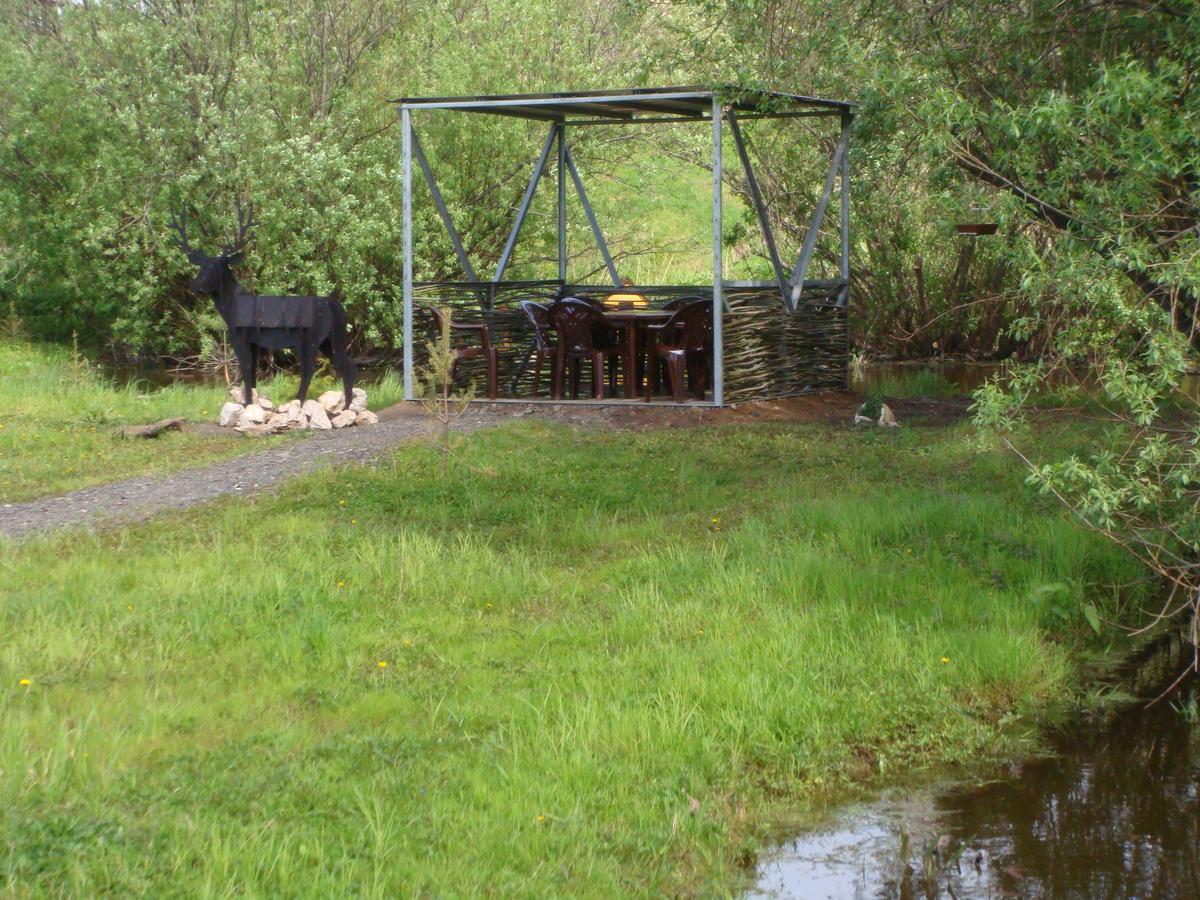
column 591, row 217
column 814, row 228
column 455, row 239
column 538, row 168
column 760, row 207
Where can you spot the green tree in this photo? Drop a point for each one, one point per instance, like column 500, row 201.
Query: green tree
column 112, row 115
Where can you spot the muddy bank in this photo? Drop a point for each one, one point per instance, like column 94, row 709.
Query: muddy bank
column 1114, row 812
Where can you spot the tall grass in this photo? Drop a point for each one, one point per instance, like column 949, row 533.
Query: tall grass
column 581, row 664
column 912, row 383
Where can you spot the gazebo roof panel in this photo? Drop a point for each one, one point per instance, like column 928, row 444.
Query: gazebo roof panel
column 625, row 105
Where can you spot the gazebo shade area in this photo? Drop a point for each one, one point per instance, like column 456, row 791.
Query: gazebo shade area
column 767, row 338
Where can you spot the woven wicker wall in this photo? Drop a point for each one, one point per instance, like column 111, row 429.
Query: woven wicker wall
column 772, row 353
column 496, row 305
column 768, row 352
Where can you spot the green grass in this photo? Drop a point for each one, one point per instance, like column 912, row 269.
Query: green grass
column 914, row 383
column 613, row 660
column 58, row 417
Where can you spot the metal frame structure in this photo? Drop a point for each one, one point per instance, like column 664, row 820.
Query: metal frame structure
column 720, row 106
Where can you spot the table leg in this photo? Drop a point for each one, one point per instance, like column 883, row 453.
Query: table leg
column 631, row 389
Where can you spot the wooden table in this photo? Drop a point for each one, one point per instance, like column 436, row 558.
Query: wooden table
column 631, row 320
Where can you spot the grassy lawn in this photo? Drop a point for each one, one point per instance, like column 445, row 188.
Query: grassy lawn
column 59, row 415
column 584, row 664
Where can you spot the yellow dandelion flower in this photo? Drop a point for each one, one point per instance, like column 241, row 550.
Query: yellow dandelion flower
column 354, row 521
column 382, row 664
column 341, row 503
column 945, row 660
column 408, row 642
column 716, row 519
column 24, row 682
column 487, row 606
column 341, row 584
column 541, row 819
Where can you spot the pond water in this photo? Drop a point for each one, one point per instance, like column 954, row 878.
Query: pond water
column 962, row 375
column 1115, row 812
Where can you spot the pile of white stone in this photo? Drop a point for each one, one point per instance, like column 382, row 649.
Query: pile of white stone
column 886, row 419
column 264, row 417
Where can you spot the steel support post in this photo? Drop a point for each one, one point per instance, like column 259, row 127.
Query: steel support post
column 406, row 193
column 718, row 363
column 562, row 203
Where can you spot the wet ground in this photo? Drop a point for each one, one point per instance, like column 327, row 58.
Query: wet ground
column 1114, row 813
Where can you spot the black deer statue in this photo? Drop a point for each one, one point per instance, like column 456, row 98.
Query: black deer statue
column 255, row 322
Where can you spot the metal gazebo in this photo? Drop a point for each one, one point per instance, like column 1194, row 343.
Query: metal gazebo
column 774, row 338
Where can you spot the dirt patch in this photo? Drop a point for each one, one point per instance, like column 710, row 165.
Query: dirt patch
column 828, row 408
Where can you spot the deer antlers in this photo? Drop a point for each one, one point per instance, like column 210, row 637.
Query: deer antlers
column 246, row 221
column 176, row 223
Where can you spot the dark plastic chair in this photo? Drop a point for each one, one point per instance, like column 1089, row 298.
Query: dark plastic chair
column 486, row 349
column 681, row 302
column 538, row 315
column 590, row 301
column 604, row 336
column 657, row 366
column 582, row 333
column 684, row 342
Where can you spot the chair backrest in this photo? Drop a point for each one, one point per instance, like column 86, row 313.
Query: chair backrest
column 538, row 315
column 564, row 294
column 693, row 324
column 438, row 320
column 470, row 329
column 681, row 302
column 575, row 322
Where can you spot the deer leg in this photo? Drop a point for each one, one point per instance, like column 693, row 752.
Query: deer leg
column 349, row 376
column 308, row 360
column 347, row 369
column 250, row 378
column 241, row 349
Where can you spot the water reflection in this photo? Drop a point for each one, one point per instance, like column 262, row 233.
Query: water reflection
column 1115, row 815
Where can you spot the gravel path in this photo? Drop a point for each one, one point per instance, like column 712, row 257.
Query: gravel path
column 136, row 499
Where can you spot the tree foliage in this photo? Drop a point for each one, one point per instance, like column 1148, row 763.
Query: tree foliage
column 113, row 114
